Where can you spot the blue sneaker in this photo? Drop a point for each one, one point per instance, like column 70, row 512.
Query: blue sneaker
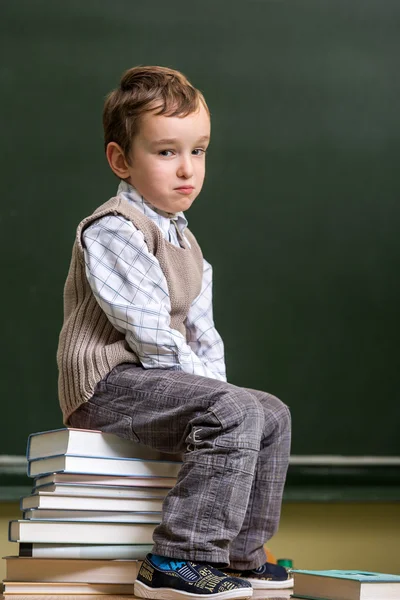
column 266, row 577
column 171, row 579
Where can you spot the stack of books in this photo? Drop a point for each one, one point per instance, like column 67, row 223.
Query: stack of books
column 89, row 521
column 345, row 585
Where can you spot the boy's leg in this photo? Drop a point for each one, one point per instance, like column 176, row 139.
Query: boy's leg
column 264, row 508
column 219, row 428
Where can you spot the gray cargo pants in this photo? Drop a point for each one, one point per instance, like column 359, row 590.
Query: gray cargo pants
column 235, row 444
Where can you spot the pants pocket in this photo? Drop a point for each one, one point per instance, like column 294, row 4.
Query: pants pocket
column 92, row 416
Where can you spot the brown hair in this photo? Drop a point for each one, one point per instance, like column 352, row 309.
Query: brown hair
column 143, row 89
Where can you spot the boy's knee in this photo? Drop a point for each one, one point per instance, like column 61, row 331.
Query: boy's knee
column 234, row 420
column 279, row 413
column 242, row 418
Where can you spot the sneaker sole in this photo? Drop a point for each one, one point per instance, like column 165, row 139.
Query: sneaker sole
column 143, row 591
column 264, row 584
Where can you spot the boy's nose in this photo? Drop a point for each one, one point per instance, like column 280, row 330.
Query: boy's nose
column 185, row 168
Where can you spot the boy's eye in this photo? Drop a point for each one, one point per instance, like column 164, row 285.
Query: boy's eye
column 196, row 152
column 199, row 151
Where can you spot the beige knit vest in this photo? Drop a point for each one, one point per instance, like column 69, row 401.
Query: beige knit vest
column 89, row 345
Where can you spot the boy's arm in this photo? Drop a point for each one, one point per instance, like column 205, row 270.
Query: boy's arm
column 202, row 337
column 130, row 287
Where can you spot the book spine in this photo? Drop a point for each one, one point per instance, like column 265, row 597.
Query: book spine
column 31, row 435
column 25, row 549
column 43, row 458
column 9, row 530
column 28, row 447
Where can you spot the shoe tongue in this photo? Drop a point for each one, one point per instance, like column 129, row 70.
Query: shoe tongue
column 187, row 572
column 260, row 570
column 183, row 568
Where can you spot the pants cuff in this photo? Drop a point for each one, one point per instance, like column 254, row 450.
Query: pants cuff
column 217, row 559
column 258, row 559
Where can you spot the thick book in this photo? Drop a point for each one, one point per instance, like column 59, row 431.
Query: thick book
column 134, row 467
column 53, row 588
column 112, row 491
column 64, row 596
column 20, row 569
column 88, row 442
column 86, row 551
column 52, row 502
column 104, row 480
column 93, row 515
column 80, row 532
column 345, row 585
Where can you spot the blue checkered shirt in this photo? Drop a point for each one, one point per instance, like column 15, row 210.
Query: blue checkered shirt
column 130, row 287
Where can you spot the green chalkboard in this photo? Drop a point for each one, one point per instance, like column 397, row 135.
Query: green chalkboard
column 299, row 215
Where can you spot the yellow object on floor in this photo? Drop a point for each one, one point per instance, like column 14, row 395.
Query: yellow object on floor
column 270, row 557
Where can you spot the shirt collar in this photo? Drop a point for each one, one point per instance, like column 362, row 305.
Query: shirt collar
column 163, row 219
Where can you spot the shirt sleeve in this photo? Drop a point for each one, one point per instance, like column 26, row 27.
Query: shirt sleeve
column 202, row 337
column 130, row 287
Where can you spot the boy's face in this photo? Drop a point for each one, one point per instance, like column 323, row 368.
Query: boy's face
column 167, row 160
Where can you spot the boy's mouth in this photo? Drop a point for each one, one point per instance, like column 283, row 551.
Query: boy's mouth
column 185, row 189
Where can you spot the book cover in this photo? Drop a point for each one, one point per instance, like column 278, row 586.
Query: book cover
column 108, row 516
column 40, row 587
column 100, row 491
column 85, row 551
column 47, row 500
column 345, row 585
column 63, row 596
column 88, row 442
column 103, row 480
column 360, row 576
column 80, row 532
column 19, row 568
column 102, row 466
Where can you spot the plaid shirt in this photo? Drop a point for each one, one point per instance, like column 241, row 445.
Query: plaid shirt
column 125, row 278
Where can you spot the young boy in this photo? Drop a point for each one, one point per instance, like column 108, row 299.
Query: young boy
column 139, row 355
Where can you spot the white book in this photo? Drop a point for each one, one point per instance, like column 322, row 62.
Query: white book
column 85, row 551
column 88, row 442
column 72, row 532
column 113, row 491
column 19, row 568
column 64, row 596
column 346, row 585
column 102, row 466
column 39, row 587
column 104, row 480
column 93, row 515
column 52, row 502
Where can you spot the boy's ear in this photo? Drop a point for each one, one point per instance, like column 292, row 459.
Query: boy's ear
column 117, row 161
